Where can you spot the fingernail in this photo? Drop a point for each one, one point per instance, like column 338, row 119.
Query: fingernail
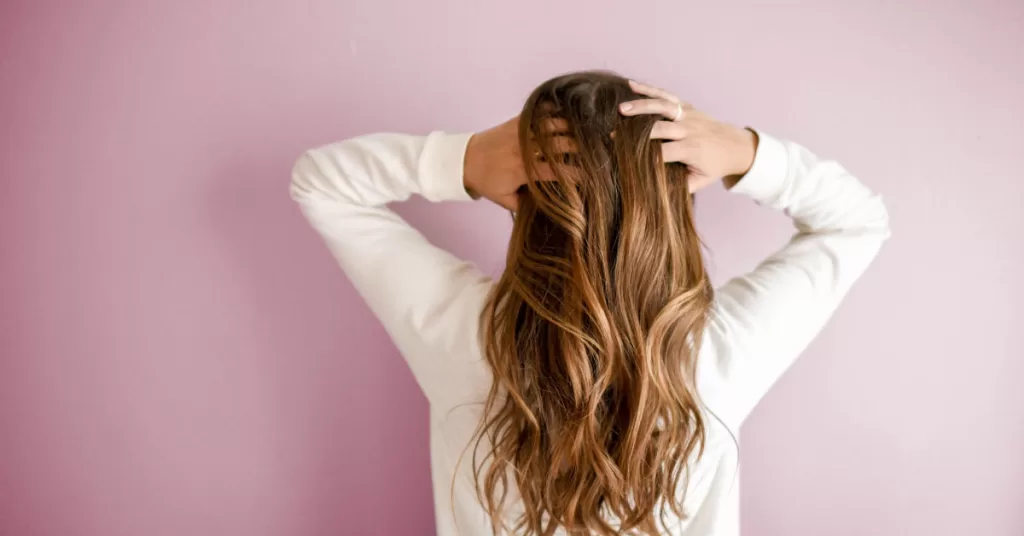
column 625, row 107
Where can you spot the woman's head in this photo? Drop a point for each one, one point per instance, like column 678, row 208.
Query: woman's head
column 592, row 330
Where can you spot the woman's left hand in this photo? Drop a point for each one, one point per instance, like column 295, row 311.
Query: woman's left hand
column 711, row 149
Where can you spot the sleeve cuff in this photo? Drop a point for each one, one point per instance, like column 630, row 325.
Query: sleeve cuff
column 767, row 176
column 441, row 167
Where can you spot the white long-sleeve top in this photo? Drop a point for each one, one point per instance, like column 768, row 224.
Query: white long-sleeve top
column 430, row 301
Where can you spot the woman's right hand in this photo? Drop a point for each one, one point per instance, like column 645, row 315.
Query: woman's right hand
column 711, row 149
column 493, row 167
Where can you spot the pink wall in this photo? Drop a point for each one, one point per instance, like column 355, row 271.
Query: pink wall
column 179, row 355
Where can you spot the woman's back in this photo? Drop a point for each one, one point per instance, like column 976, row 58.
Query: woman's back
column 582, row 398
column 710, row 486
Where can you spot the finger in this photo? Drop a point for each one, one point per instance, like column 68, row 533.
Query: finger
column 564, row 153
column 652, row 91
column 682, row 151
column 556, row 136
column 563, row 144
column 554, row 125
column 668, row 130
column 665, row 108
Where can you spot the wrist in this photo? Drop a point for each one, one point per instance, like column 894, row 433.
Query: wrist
column 471, row 167
column 746, row 150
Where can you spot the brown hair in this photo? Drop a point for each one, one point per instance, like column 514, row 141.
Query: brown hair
column 592, row 331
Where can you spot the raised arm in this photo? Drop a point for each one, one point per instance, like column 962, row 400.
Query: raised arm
column 763, row 320
column 427, row 299
column 760, row 322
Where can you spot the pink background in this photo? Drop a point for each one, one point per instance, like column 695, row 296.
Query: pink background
column 179, row 355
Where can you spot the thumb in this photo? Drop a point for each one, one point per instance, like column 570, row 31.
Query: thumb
column 685, row 151
column 697, row 180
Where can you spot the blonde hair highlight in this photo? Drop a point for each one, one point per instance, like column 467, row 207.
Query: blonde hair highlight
column 592, row 331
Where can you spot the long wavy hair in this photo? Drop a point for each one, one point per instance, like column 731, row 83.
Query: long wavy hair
column 592, row 331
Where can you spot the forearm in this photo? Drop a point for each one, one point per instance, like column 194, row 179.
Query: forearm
column 744, row 158
column 764, row 319
column 376, row 169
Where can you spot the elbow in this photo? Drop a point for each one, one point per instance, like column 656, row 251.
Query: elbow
column 873, row 230
column 869, row 218
column 881, row 218
column 304, row 186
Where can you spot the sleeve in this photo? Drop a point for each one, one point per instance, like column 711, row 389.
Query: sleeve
column 762, row 321
column 428, row 300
